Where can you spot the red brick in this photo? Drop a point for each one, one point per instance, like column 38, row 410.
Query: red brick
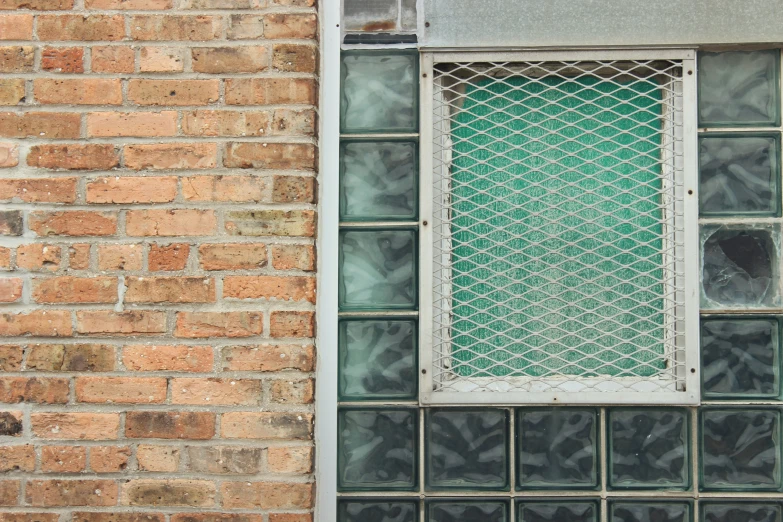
column 278, row 156
column 9, row 153
column 112, row 59
column 180, row 222
column 63, row 459
column 120, row 257
column 161, row 59
column 170, row 290
column 221, row 392
column 235, row 188
column 149, row 492
column 268, row 358
column 135, row 322
column 17, row 458
column 292, row 392
column 270, row 91
column 73, row 223
column 266, row 495
column 176, row 358
column 298, row 459
column 10, row 358
column 39, row 190
column 140, row 5
column 17, row 58
column 33, row 389
column 38, row 5
column 109, row 459
column 292, row 324
column 189, row 425
column 293, row 189
column 295, row 58
column 170, row 27
column 12, row 91
column 29, row 517
column 73, row 157
column 293, row 257
column 60, row 493
column 52, row 125
column 75, row 27
column 121, row 390
column 9, row 492
column 226, row 123
column 171, row 156
column 92, row 91
column 16, row 26
column 290, row 517
column 220, row 60
column 5, row 258
column 266, row 425
column 232, row 256
column 290, row 26
column 132, row 189
column 79, row 256
column 63, row 59
column 42, row 323
column 137, row 124
column 270, row 287
column 10, row 289
column 118, row 517
column 219, row 324
column 157, row 458
column 173, row 92
column 69, row 289
column 75, row 426
column 214, row 517
column 168, row 257
column 287, row 122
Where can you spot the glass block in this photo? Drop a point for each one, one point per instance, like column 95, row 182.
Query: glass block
column 468, row 511
column 379, row 92
column 740, row 266
column 377, row 510
column 739, row 174
column 370, row 15
column 378, row 180
column 409, row 17
column 557, row 511
column 649, row 511
column 740, row 512
column 377, row 269
column 557, row 448
column 378, row 359
column 377, row 449
column 740, row 449
column 739, row 88
column 467, row 449
column 740, row 358
column 648, row 448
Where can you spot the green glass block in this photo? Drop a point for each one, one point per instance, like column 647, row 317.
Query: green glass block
column 739, row 174
column 377, row 510
column 482, row 510
column 467, row 449
column 740, row 266
column 377, row 449
column 380, row 92
column 649, row 511
column 378, row 180
column 377, row 269
column 557, row 448
column 740, row 449
column 648, row 448
column 739, row 88
column 738, row 511
column 556, row 510
column 740, row 358
column 377, row 359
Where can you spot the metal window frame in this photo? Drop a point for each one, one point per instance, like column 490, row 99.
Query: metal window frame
column 690, row 395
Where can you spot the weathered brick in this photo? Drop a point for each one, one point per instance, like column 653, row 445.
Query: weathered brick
column 288, row 122
column 161, row 59
column 173, row 92
column 73, row 157
column 52, row 125
column 137, row 124
column 224, row 459
column 291, row 288
column 9, row 492
column 222, row 392
column 169, row 289
column 141, row 5
column 175, row 27
column 92, row 91
column 16, row 26
column 134, row 322
column 73, row 223
column 236, row 189
column 271, row 223
column 69, row 289
column 11, row 223
column 17, row 458
column 232, row 256
column 270, row 91
column 55, row 493
column 292, row 392
column 290, row 459
column 266, row 495
column 157, row 458
column 112, row 59
column 295, row 58
column 292, row 324
column 42, row 323
column 38, row 257
column 33, row 389
column 109, row 459
column 290, row 26
column 77, row 425
column 268, row 358
column 10, row 289
column 63, row 59
column 63, row 459
column 192, row 425
column 171, row 156
column 98, row 516
column 225, row 123
column 245, row 27
column 172, row 358
column 215, row 517
column 10, row 357
column 219, row 324
column 179, row 222
column 17, row 58
column 38, row 190
column 9, row 155
column 278, row 156
column 266, row 425
column 293, row 189
column 121, row 390
column 79, row 256
column 217, row 60
column 75, row 27
column 71, row 357
column 5, row 258
column 38, row 5
column 149, row 492
column 120, row 257
column 293, row 257
column 28, row 516
column 132, row 189
column 11, row 423
column 290, row 517
column 12, row 91
column 168, row 257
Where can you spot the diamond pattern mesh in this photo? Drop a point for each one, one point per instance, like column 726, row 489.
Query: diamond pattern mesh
column 558, row 226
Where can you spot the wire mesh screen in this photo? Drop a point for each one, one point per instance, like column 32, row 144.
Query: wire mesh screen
column 558, row 226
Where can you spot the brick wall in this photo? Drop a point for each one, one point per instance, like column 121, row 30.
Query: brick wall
column 157, row 289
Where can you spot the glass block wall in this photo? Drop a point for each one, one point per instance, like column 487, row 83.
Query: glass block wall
column 721, row 462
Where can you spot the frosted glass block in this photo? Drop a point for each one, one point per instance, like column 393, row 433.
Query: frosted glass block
column 378, row 180
column 740, row 512
column 556, row 510
column 740, row 358
column 377, row 269
column 467, row 449
column 377, row 449
column 377, row 359
column 739, row 88
column 740, row 449
column 370, row 15
column 557, row 448
column 649, row 511
column 648, row 448
column 740, row 266
column 409, row 17
column 379, row 92
column 739, row 174
column 377, row 510
column 468, row 511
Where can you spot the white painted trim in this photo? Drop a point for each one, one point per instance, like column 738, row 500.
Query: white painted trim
column 328, row 223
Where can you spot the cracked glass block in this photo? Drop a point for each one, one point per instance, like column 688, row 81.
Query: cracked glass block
column 377, row 359
column 468, row 511
column 740, row 512
column 739, row 88
column 557, row 511
column 379, row 92
column 377, row 269
column 378, row 180
column 377, row 449
column 377, row 510
column 740, row 266
column 740, row 358
column 648, row 448
column 739, row 174
column 467, row 449
column 649, row 511
column 740, row 449
column 557, row 448
column 370, row 15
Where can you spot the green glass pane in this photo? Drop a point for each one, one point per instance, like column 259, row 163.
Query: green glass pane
column 467, row 449
column 557, row 510
column 484, row 510
column 739, row 174
column 739, row 88
column 376, row 449
column 377, row 269
column 649, row 511
column 740, row 449
column 740, row 512
column 378, row 180
column 740, row 358
column 378, row 359
column 379, row 91
column 377, row 510
column 557, row 448
column 648, row 448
